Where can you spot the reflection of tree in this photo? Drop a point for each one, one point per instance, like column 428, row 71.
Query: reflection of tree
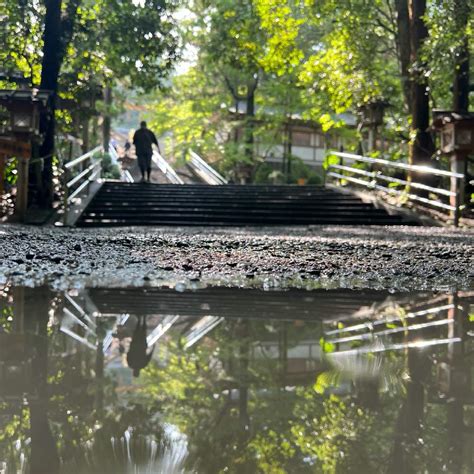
column 44, row 458
column 126, row 438
column 354, row 424
column 408, row 430
column 229, row 396
column 339, row 435
column 67, row 431
column 233, row 407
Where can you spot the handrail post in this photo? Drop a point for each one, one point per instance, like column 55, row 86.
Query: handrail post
column 66, row 175
column 457, row 186
column 3, row 159
column 22, row 189
column 341, row 163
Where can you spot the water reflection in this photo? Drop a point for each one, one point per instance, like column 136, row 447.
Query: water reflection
column 235, row 381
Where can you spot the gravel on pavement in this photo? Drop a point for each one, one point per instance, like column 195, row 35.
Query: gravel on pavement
column 404, row 258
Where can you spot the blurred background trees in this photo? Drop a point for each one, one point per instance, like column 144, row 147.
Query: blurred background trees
column 250, row 73
column 80, row 50
column 264, row 63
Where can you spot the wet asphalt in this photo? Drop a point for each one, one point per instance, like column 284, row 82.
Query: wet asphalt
column 399, row 258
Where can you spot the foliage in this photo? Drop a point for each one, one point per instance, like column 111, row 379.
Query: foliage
column 191, row 109
column 111, row 39
column 109, row 169
column 315, row 59
column 21, row 38
column 344, row 437
column 442, row 47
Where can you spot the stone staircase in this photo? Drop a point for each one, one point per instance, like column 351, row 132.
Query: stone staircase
column 129, row 204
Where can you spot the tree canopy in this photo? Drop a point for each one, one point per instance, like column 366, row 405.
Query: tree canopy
column 320, row 60
column 258, row 64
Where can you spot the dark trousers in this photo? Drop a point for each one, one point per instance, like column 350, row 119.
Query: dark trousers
column 144, row 163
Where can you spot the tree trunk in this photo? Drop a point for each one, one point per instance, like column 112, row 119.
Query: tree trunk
column 85, row 132
column 58, row 30
column 51, row 64
column 404, row 48
column 94, row 139
column 287, row 149
column 422, row 147
column 461, row 73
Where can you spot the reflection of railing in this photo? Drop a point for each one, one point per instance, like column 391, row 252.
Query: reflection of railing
column 200, row 329
column 166, row 169
column 75, row 317
column 381, row 180
column 204, row 170
column 375, row 335
column 160, row 330
column 372, row 325
column 397, row 346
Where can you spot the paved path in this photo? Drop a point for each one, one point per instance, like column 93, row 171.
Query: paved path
column 377, row 257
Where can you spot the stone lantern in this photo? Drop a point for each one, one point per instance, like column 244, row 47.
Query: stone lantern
column 24, row 107
column 20, row 112
column 457, row 141
column 457, row 134
column 372, row 114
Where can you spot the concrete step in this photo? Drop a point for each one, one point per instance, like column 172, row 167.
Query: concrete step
column 121, row 204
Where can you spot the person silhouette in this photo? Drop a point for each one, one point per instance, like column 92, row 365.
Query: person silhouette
column 138, row 357
column 143, row 139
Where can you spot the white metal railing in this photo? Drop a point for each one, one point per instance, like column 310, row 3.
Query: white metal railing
column 113, row 154
column 380, row 180
column 166, row 169
column 204, row 170
column 79, row 173
column 125, row 175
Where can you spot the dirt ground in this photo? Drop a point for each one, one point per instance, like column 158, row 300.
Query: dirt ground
column 372, row 257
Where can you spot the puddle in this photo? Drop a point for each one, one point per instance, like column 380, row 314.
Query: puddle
column 235, row 380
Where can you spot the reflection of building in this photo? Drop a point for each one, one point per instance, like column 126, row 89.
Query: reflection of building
column 301, row 359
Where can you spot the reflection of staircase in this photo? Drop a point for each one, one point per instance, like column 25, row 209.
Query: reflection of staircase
column 242, row 303
column 148, row 204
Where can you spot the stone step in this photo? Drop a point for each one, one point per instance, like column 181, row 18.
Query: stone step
column 122, row 204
